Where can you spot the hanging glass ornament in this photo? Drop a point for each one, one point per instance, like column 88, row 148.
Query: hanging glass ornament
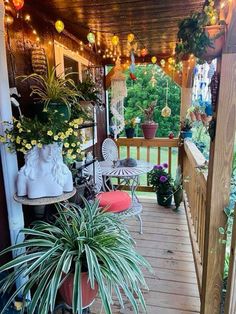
column 91, row 38
column 130, row 37
column 18, row 4
column 115, row 40
column 154, row 60
column 163, row 63
column 59, row 25
column 166, row 111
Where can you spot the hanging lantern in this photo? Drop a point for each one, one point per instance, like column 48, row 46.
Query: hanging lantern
column 8, row 20
column 154, row 60
column 163, row 63
column 166, row 111
column 115, row 40
column 130, row 37
column 59, row 25
column 91, row 38
column 118, row 93
column 18, row 4
column 144, row 52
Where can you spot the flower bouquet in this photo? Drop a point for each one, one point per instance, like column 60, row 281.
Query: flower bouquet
column 162, row 184
column 130, row 127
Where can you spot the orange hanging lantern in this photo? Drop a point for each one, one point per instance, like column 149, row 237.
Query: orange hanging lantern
column 18, row 4
column 144, row 52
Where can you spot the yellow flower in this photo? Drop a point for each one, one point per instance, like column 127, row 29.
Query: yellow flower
column 67, row 133
column 76, row 126
column 80, row 120
column 9, row 136
column 40, row 145
column 28, row 131
column 2, row 139
column 76, row 133
column 33, row 142
column 56, row 137
column 66, row 145
column 73, row 156
column 62, row 136
column 28, row 146
column 18, row 139
column 70, row 151
column 50, row 133
column 20, row 130
column 18, row 125
column 73, row 144
column 70, row 130
column 78, row 150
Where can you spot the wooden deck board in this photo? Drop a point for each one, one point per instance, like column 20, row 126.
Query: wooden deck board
column 166, row 245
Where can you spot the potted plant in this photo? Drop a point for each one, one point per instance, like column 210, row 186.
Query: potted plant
column 130, row 128
column 162, row 184
column 185, row 129
column 200, row 35
column 57, row 92
column 83, row 251
column 149, row 127
column 89, row 92
column 178, row 188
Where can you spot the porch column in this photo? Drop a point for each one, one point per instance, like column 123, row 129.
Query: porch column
column 9, row 161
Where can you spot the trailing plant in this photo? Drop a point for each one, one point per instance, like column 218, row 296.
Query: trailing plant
column 87, row 239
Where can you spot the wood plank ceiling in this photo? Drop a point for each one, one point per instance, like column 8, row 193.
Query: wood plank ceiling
column 154, row 22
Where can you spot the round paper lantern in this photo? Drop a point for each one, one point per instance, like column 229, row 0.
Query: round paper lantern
column 59, row 25
column 115, row 40
column 91, row 38
column 18, row 4
column 154, row 59
column 144, row 52
column 130, row 37
column 163, row 63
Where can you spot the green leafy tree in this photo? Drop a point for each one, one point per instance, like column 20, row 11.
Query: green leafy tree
column 142, row 93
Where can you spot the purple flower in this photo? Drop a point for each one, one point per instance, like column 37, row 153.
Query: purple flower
column 165, row 165
column 158, row 167
column 163, row 179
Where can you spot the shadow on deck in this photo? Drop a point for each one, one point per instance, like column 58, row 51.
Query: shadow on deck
column 165, row 243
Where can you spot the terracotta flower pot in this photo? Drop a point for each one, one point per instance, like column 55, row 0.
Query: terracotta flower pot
column 149, row 130
column 217, row 34
column 88, row 294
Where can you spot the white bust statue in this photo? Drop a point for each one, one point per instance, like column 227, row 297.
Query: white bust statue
column 44, row 173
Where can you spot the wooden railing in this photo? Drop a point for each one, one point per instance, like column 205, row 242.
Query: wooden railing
column 157, row 150
column 195, row 186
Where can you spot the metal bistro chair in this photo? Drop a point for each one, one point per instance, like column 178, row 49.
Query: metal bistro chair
column 110, row 150
column 118, row 202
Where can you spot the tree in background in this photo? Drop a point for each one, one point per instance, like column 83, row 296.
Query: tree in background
column 142, row 93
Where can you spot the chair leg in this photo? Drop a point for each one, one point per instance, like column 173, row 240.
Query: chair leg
column 141, row 223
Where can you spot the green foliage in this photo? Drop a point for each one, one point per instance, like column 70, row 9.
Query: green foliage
column 85, row 239
column 89, row 92
column 142, row 93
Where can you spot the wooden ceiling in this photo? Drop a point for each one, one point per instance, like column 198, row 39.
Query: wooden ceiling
column 154, row 22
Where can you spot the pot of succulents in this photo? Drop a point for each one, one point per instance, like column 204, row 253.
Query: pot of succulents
column 48, row 148
column 162, row 184
column 80, row 253
column 51, row 91
column 200, row 35
column 130, row 128
column 185, row 129
column 178, row 188
column 149, row 126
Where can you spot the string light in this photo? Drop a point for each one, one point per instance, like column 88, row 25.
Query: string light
column 27, row 18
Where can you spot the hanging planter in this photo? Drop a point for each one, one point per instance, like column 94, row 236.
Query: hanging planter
column 216, row 34
column 88, row 294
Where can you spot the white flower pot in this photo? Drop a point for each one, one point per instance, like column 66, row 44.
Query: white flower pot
column 44, row 173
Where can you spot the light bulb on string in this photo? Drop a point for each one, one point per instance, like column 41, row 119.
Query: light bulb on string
column 91, row 38
column 8, row 20
column 154, row 59
column 27, row 18
column 115, row 40
column 130, row 38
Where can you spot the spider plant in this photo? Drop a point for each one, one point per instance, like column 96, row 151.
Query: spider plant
column 80, row 239
column 51, row 89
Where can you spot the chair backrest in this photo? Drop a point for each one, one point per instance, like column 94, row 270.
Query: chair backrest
column 109, row 150
column 94, row 170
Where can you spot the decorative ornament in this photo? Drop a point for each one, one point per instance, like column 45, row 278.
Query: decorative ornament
column 18, row 4
column 39, row 61
column 154, row 60
column 91, row 38
column 171, row 60
column 59, row 25
column 166, row 111
column 144, row 52
column 133, row 76
column 163, row 63
column 8, row 20
column 171, row 135
column 130, row 38
column 115, row 40
column 118, row 93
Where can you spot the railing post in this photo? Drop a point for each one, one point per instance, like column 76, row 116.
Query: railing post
column 218, row 187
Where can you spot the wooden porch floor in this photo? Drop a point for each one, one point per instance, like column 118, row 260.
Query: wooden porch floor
column 166, row 245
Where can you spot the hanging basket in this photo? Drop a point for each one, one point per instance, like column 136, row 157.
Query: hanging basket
column 217, row 35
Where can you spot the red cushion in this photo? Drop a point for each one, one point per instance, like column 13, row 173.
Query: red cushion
column 114, row 201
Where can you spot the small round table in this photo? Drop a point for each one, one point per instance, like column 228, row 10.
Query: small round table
column 129, row 175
